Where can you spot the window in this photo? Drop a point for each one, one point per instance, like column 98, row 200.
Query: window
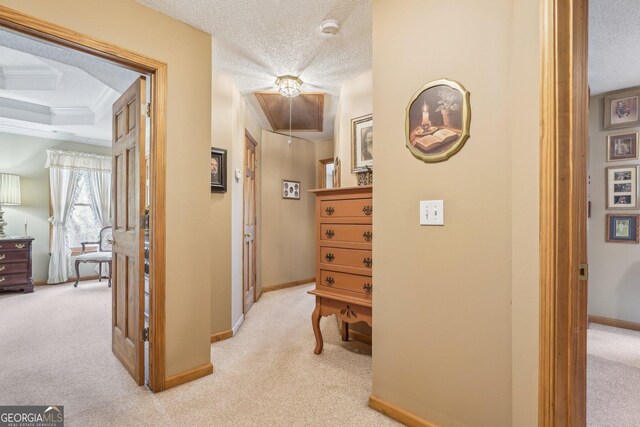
column 82, row 225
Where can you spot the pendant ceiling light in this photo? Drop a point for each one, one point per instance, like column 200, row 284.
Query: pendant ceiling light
column 289, row 86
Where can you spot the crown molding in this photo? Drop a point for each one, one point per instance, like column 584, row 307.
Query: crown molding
column 29, row 78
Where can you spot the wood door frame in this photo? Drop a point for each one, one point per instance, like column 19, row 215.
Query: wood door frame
column 563, row 151
column 247, row 136
column 59, row 35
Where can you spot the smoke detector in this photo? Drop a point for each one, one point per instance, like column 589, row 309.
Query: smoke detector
column 329, row 28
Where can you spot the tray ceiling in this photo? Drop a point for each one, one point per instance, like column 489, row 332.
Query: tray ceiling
column 256, row 41
column 55, row 92
column 308, row 108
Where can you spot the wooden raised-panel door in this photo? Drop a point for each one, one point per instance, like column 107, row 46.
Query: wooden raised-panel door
column 128, row 233
column 249, row 251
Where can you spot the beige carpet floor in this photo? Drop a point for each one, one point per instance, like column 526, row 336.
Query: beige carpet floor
column 613, row 377
column 56, row 350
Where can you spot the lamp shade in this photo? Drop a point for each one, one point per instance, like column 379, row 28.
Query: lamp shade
column 9, row 189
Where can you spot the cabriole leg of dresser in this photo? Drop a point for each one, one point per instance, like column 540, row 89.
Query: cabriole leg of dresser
column 315, row 322
column 345, row 331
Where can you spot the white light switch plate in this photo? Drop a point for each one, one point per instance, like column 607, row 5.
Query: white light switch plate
column 238, row 175
column 432, row 212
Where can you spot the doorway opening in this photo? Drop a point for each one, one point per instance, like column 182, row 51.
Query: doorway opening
column 128, row 268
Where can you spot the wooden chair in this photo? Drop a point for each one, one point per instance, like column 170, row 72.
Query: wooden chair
column 103, row 256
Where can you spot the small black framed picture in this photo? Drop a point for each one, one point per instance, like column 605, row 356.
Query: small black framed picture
column 218, row 170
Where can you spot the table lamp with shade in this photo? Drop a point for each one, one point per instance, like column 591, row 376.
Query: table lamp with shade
column 9, row 195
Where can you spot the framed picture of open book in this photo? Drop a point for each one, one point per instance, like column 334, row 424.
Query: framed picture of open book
column 437, row 121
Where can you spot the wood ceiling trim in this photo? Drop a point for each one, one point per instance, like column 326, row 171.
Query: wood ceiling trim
column 307, row 112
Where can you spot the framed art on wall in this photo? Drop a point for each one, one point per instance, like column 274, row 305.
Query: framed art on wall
column 290, row 189
column 622, row 228
column 622, row 146
column 622, row 187
column 361, row 143
column 218, row 170
column 437, row 121
column 621, row 109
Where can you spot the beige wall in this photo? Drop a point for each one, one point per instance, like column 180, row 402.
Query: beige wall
column 451, row 288
column 614, row 268
column 230, row 119
column 26, row 156
column 356, row 100
column 288, row 229
column 220, row 218
column 187, row 52
column 524, row 89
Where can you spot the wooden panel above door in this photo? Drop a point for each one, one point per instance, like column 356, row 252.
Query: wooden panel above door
column 307, row 111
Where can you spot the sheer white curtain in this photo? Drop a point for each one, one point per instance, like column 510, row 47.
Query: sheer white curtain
column 100, row 185
column 64, row 170
column 62, row 186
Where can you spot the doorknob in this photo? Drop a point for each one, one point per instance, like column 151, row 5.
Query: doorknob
column 111, row 241
column 247, row 234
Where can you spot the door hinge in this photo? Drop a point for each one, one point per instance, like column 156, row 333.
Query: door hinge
column 147, row 109
column 144, row 334
column 583, row 271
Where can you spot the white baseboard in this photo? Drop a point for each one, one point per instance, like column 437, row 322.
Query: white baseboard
column 237, row 325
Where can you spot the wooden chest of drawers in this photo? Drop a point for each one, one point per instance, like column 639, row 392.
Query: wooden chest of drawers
column 343, row 257
column 15, row 264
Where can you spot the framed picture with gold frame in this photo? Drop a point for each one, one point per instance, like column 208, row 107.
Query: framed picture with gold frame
column 621, row 109
column 437, row 120
column 362, row 143
column 622, row 146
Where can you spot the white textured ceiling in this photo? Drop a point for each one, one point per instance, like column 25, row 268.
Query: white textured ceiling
column 255, row 41
column 56, row 92
column 614, row 45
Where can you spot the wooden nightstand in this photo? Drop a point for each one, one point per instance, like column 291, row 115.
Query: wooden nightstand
column 15, row 264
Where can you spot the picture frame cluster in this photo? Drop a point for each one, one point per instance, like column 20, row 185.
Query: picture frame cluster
column 622, row 110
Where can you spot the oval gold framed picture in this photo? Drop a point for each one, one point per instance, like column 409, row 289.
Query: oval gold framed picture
column 437, row 120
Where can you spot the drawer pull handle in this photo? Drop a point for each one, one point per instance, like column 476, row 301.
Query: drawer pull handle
column 329, row 257
column 2, row 267
column 3, row 256
column 368, row 210
column 20, row 245
column 329, row 281
column 329, row 211
column 367, row 236
column 368, row 262
column 329, row 234
column 2, row 279
column 367, row 288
